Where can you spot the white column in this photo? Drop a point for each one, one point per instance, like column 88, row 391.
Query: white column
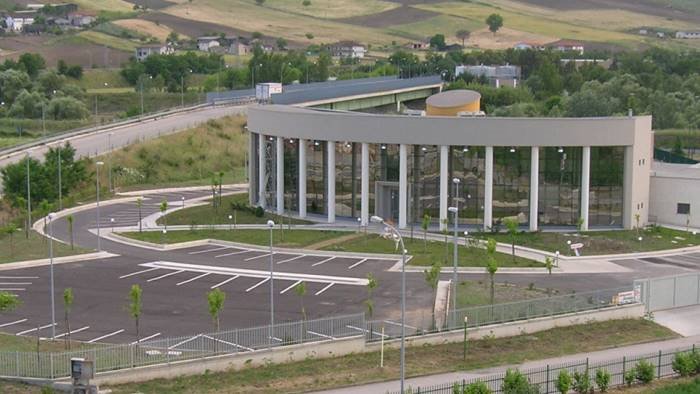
column 302, row 178
column 330, row 197
column 252, row 198
column 261, row 170
column 534, row 186
column 585, row 185
column 403, row 185
column 280, row 175
column 444, row 182
column 488, row 189
column 364, row 197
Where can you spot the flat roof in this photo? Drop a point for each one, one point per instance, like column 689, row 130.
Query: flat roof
column 673, row 170
column 453, row 98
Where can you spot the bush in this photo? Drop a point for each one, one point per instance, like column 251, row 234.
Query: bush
column 259, row 212
column 644, row 371
column 582, row 382
column 683, row 364
column 563, row 383
column 473, row 388
column 629, row 377
column 695, row 356
column 516, row 383
column 602, row 379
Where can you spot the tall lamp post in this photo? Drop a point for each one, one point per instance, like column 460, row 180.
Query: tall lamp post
column 60, row 185
column 455, row 210
column 97, row 187
column 29, row 198
column 390, row 232
column 53, row 303
column 271, row 226
column 109, row 158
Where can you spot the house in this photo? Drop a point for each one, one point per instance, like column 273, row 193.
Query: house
column 144, row 51
column 60, row 22
column 80, row 20
column 567, row 46
column 348, row 49
column 206, row 43
column 643, row 32
column 16, row 21
column 660, row 34
column 418, row 45
column 498, row 76
column 688, row 35
column 238, row 48
column 522, row 46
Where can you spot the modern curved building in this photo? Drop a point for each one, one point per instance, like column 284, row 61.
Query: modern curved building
column 556, row 172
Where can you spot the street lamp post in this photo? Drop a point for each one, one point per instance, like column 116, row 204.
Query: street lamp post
column 395, row 235
column 456, row 182
column 29, row 199
column 271, row 226
column 97, row 187
column 60, row 185
column 53, row 303
column 109, row 161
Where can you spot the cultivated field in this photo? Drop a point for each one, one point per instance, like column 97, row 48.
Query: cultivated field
column 158, row 31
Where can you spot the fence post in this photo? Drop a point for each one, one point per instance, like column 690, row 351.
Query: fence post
column 17, row 361
column 624, row 370
column 131, row 355
column 547, row 384
column 658, row 366
column 51, row 365
column 586, row 364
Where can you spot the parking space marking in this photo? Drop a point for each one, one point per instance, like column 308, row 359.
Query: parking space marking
column 184, row 342
column 232, row 253
column 290, row 287
column 165, row 275
column 319, row 334
column 257, row 284
column 227, row 343
column 12, row 289
column 366, row 331
column 261, row 256
column 324, row 289
column 14, row 322
column 323, row 261
column 35, row 329
column 145, row 339
column 399, row 324
column 72, row 332
column 19, row 277
column 138, row 272
column 224, row 282
column 106, row 336
column 192, row 279
column 209, row 250
column 15, row 283
column 292, row 259
column 356, row 264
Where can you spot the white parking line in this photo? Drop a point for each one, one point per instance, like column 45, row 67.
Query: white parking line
column 224, row 282
column 320, row 335
column 145, row 339
column 232, row 253
column 258, row 257
column 356, row 264
column 323, row 261
column 290, row 287
column 72, row 332
column 324, row 289
column 13, row 289
column 227, row 343
column 292, row 259
column 34, row 329
column 165, row 276
column 138, row 272
column 366, row 331
column 184, row 342
column 257, row 284
column 19, row 277
column 14, row 322
column 106, row 336
column 209, row 250
column 399, row 324
column 191, row 280
column 15, row 283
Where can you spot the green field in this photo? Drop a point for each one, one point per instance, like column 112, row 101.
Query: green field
column 445, row 24
column 475, row 293
column 109, row 41
column 330, row 9
column 97, row 77
column 19, row 248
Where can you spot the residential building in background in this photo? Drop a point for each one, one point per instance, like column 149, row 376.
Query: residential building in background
column 144, row 51
column 348, row 49
column 205, row 44
column 498, row 76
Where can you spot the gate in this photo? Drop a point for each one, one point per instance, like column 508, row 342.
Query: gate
column 668, row 292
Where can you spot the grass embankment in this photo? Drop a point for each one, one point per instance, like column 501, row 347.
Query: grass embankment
column 690, row 385
column 477, row 293
column 313, row 374
column 19, row 248
column 604, row 242
column 207, row 214
column 14, row 343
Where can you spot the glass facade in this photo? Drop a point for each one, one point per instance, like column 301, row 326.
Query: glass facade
column 606, row 187
column 468, row 164
column 511, row 184
column 254, row 162
column 559, row 195
column 270, row 172
column 316, row 162
column 291, row 174
column 424, row 182
column 346, row 180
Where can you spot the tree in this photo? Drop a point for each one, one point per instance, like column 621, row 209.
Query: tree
column 27, row 105
column 135, row 306
column 32, row 63
column 221, row 182
column 549, row 264
column 306, row 3
column 259, row 2
column 512, row 226
column 424, row 225
column 215, row 299
column 495, row 22
column 8, row 301
column 371, row 285
column 300, row 289
column 61, row 108
column 678, row 146
column 70, row 220
column 438, row 42
column 463, row 34
column 491, row 266
column 10, row 230
column 432, row 277
column 163, row 209
column 67, row 306
column 281, row 44
column 139, row 204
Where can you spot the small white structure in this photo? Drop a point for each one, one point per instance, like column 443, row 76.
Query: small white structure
column 80, row 20
column 348, row 49
column 675, row 194
column 264, row 91
column 16, row 21
column 688, row 34
column 144, row 51
column 567, row 46
column 498, row 76
column 205, row 44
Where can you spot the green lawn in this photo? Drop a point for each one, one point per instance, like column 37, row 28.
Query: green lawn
column 475, row 293
column 14, row 343
column 281, row 238
column 19, row 248
column 604, row 242
column 689, row 385
column 206, row 214
column 426, row 254
column 313, row 374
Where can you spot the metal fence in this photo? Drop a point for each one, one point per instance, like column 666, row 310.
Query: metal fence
column 163, row 351
column 478, row 316
column 669, row 292
column 545, row 377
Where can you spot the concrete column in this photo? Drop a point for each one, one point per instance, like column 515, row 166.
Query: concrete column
column 302, row 178
column 261, row 170
column 534, row 186
column 330, row 197
column 488, row 189
column 444, row 182
column 364, row 197
column 585, row 185
column 403, row 185
column 252, row 197
column 280, row 175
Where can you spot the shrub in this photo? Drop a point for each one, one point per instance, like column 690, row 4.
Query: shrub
column 683, row 364
column 695, row 356
column 602, row 379
column 644, row 371
column 563, row 383
column 629, row 377
column 259, row 212
column 582, row 382
column 516, row 383
column 473, row 388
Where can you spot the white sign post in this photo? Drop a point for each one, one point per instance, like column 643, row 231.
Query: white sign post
column 576, row 247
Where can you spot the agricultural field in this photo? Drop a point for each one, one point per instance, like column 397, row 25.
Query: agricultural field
column 148, row 28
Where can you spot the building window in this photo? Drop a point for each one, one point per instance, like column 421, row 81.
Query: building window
column 606, row 186
column 683, row 208
column 559, row 197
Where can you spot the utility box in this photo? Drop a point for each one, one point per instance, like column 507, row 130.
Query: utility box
column 264, row 91
column 82, row 371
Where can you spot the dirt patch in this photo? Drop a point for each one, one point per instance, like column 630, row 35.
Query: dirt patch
column 640, row 6
column 84, row 53
column 160, row 31
column 397, row 16
column 190, row 27
column 152, row 4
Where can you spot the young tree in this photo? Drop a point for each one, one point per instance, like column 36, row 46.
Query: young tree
column 424, row 225
column 371, row 285
column 512, row 226
column 135, row 306
column 139, row 204
column 10, row 230
column 8, row 301
column 432, row 277
column 300, row 289
column 215, row 299
column 67, row 306
column 495, row 22
column 563, row 382
column 70, row 220
column 463, row 34
column 491, row 266
column 549, row 264
column 221, row 182
column 163, row 209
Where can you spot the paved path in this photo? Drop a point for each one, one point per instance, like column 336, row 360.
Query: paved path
column 599, row 356
column 685, row 321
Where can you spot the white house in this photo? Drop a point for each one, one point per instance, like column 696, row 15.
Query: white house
column 16, row 21
column 204, row 44
column 349, row 49
column 144, row 51
column 506, row 75
column 688, row 34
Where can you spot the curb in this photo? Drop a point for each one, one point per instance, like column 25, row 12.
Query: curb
column 56, row 260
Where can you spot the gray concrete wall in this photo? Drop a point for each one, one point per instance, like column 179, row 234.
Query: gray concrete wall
column 667, row 192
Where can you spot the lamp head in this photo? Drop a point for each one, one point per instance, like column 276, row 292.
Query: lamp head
column 456, row 181
column 99, row 163
column 270, row 223
column 452, row 209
